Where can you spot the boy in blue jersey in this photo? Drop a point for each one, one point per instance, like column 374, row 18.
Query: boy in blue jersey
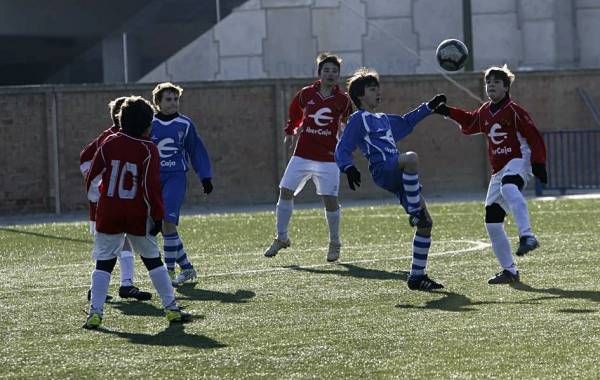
column 178, row 142
column 376, row 135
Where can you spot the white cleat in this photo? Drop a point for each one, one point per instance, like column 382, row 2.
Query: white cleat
column 333, row 254
column 186, row 275
column 276, row 246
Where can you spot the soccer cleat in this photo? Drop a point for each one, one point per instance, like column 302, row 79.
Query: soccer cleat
column 177, row 316
column 333, row 254
column 419, row 219
column 526, row 244
column 276, row 246
column 184, row 276
column 89, row 296
column 504, row 277
column 93, row 321
column 134, row 292
column 422, row 282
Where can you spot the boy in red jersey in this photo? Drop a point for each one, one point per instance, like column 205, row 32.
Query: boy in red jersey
column 126, row 260
column 316, row 114
column 516, row 152
column 130, row 203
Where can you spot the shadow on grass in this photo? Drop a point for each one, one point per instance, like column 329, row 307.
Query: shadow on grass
column 137, row 308
column 190, row 292
column 172, row 336
column 355, row 271
column 45, row 236
column 553, row 293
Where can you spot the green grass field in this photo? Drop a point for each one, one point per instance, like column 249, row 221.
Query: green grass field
column 295, row 316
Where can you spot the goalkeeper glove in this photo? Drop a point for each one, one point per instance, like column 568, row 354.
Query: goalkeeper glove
column 207, row 185
column 539, row 170
column 156, row 228
column 353, row 177
column 436, row 101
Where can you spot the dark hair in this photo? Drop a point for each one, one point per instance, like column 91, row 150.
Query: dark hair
column 114, row 106
column 502, row 73
column 361, row 78
column 135, row 116
column 325, row 57
column 160, row 88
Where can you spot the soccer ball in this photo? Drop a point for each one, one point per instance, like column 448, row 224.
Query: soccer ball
column 452, row 54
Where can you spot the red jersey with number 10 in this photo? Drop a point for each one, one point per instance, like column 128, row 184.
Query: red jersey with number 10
column 510, row 132
column 318, row 119
column 130, row 188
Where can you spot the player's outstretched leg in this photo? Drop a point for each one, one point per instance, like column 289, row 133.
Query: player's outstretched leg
column 510, row 191
column 494, row 224
column 283, row 214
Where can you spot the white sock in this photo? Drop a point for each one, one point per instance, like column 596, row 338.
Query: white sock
column 162, row 284
column 283, row 214
column 100, row 283
column 501, row 246
column 518, row 206
column 126, row 262
column 333, row 220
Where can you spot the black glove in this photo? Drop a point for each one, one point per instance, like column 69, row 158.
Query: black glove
column 353, row 177
column 539, row 170
column 207, row 185
column 442, row 109
column 156, row 228
column 436, row 101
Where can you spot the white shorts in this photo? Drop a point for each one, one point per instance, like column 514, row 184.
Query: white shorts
column 325, row 175
column 516, row 166
column 109, row 246
column 125, row 249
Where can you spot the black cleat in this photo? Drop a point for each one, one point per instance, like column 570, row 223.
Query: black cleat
column 89, row 296
column 133, row 292
column 504, row 277
column 422, row 282
column 419, row 219
column 526, row 244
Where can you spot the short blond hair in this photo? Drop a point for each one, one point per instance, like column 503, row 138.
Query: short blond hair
column 160, row 88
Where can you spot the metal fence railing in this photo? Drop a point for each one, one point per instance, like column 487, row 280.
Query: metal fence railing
column 573, row 160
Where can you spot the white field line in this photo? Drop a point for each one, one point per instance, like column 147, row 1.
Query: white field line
column 475, row 246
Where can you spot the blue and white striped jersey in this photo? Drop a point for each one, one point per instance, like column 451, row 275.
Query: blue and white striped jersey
column 376, row 135
column 178, row 143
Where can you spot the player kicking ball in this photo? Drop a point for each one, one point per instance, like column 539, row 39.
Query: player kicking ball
column 130, row 203
column 376, row 135
column 516, row 152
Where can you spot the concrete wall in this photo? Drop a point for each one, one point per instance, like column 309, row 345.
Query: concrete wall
column 42, row 130
column 281, row 38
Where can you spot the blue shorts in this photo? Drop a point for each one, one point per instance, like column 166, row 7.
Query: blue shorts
column 389, row 177
column 173, row 186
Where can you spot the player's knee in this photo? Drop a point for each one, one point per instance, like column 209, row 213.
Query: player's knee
column 515, row 180
column 106, row 265
column 152, row 263
column 412, row 158
column 494, row 213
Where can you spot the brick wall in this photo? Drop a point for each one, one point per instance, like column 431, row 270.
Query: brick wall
column 44, row 128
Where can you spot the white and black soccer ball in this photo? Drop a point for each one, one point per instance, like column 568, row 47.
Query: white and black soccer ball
column 452, row 54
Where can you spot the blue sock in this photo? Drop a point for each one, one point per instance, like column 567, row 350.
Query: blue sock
column 182, row 258
column 171, row 247
column 421, row 246
column 412, row 189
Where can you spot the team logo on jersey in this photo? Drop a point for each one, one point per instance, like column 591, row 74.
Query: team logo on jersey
column 322, row 117
column 495, row 135
column 165, row 149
